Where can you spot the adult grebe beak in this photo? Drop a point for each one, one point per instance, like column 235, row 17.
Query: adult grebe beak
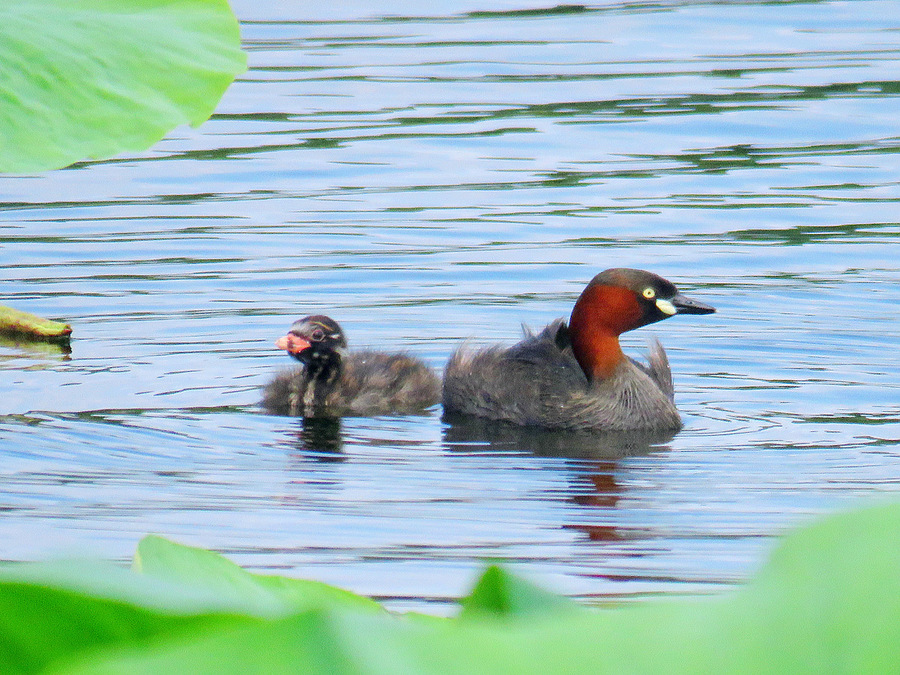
column 686, row 305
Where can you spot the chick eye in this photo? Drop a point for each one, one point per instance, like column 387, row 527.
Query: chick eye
column 317, row 335
column 649, row 293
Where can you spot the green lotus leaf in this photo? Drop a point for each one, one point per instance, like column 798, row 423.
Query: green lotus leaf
column 210, row 572
column 56, row 611
column 500, row 593
column 16, row 323
column 92, row 78
column 829, row 601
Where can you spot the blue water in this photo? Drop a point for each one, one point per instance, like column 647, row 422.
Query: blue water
column 427, row 174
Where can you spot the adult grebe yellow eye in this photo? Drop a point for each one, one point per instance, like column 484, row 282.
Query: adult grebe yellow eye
column 649, row 293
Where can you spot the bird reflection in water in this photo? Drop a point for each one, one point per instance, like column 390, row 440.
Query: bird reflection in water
column 594, row 456
column 320, row 437
column 463, row 430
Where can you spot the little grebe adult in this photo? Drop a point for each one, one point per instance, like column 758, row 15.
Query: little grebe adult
column 575, row 376
column 332, row 382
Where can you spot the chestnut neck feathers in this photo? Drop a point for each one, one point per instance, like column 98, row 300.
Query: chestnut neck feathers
column 615, row 301
column 601, row 314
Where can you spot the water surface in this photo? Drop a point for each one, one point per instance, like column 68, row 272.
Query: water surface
column 427, row 175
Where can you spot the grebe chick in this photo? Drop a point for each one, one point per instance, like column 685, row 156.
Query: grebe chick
column 332, row 382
